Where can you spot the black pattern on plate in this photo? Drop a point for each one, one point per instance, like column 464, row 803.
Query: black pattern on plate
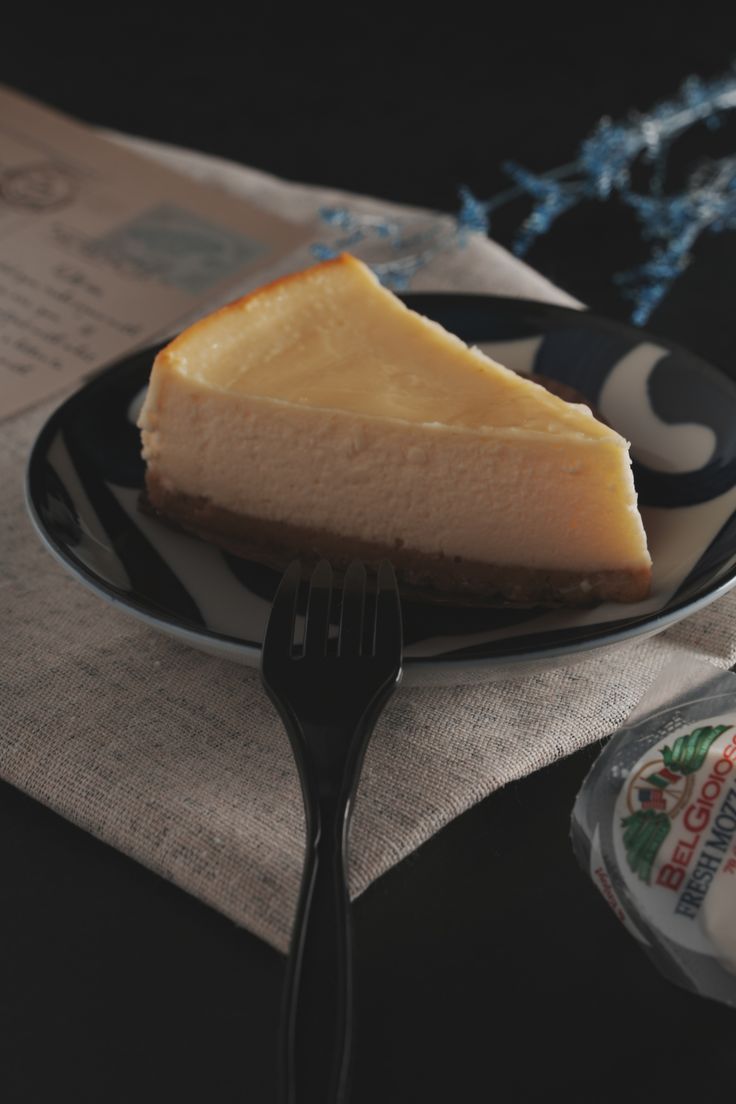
column 85, row 474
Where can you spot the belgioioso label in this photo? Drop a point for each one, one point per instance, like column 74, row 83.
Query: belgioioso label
column 675, row 836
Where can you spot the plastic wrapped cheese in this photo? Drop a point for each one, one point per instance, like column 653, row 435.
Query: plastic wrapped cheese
column 654, row 825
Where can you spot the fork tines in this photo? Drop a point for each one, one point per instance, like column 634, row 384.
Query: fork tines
column 356, row 615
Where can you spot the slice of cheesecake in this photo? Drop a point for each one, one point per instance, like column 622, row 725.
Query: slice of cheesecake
column 319, row 416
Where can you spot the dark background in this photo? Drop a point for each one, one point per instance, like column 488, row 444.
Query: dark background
column 487, row 966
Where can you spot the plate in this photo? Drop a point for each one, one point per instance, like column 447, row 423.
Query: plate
column 85, row 475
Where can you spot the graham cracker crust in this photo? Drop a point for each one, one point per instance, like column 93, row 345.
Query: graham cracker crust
column 422, row 576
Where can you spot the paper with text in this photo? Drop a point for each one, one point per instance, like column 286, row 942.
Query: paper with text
column 103, row 251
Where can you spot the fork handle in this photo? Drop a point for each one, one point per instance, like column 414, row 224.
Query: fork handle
column 318, row 992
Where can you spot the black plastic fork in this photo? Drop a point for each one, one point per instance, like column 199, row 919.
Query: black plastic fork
column 329, row 695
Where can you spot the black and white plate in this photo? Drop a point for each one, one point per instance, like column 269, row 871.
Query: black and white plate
column 85, row 475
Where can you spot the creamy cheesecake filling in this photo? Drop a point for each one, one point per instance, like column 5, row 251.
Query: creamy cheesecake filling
column 506, row 496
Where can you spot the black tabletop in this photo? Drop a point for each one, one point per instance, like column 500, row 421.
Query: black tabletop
column 488, row 967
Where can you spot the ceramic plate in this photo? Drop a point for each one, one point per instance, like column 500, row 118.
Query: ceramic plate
column 85, row 475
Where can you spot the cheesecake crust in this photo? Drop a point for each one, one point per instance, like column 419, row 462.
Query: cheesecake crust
column 422, row 575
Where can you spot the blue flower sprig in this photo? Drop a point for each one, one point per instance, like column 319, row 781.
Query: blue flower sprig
column 407, row 244
column 671, row 221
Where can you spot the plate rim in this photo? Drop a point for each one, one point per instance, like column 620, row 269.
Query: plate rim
column 445, row 664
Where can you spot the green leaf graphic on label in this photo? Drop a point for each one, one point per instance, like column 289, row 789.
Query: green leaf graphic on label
column 688, row 752
column 644, row 833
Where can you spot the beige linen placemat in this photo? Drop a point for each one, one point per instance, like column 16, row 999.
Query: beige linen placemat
column 178, row 758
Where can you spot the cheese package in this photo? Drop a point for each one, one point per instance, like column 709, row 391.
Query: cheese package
column 654, row 825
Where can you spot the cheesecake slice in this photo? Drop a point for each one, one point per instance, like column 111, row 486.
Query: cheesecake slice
column 319, row 416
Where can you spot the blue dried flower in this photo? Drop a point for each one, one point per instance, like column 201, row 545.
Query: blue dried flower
column 602, row 168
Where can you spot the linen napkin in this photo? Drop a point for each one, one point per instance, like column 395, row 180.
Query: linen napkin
column 178, row 758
